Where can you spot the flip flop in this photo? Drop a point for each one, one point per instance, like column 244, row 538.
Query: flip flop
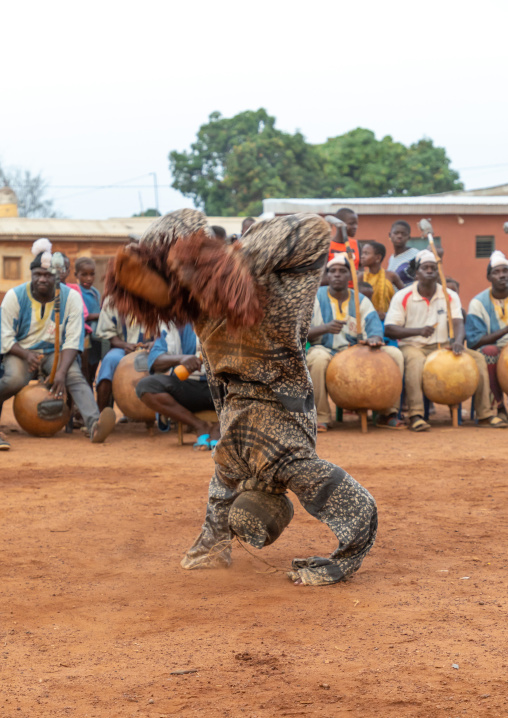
column 163, row 423
column 103, row 426
column 202, row 443
column 321, row 428
column 495, row 422
column 392, row 423
column 419, row 425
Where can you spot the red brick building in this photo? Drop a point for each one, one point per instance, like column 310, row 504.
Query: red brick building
column 469, row 227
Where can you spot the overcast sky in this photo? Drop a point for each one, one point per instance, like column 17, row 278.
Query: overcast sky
column 98, row 93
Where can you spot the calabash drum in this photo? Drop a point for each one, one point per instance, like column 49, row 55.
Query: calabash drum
column 363, row 378
column 502, row 370
column 129, row 371
column 26, row 411
column 448, row 378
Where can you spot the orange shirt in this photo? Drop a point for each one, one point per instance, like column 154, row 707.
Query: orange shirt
column 337, row 247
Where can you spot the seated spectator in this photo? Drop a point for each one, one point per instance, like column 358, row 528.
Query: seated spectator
column 383, row 282
column 124, row 336
column 172, row 398
column 418, row 319
column 400, row 234
column 27, row 342
column 487, row 322
column 333, row 329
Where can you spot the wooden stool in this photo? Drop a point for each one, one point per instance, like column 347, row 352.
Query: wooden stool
column 208, row 415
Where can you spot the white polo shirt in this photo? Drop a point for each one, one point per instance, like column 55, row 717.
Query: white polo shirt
column 410, row 310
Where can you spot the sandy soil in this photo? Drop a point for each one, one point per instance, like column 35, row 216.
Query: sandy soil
column 99, row 620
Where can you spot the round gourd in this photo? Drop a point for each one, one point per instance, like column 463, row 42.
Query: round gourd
column 364, row 378
column 448, row 378
column 131, row 368
column 25, row 406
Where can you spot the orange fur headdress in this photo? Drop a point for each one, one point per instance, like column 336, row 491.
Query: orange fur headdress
column 180, row 271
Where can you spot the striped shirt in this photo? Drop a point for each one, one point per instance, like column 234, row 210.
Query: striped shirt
column 486, row 315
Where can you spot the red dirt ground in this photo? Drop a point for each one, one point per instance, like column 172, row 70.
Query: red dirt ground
column 98, row 617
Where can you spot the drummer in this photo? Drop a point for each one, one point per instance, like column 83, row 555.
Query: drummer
column 124, row 335
column 333, row 329
column 417, row 318
column 28, row 342
column 487, row 322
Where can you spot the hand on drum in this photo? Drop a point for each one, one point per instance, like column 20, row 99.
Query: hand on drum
column 374, row 342
column 58, row 388
column 456, row 348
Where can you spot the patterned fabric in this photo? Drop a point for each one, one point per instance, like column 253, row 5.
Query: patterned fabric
column 383, row 289
column 259, row 518
column 264, row 399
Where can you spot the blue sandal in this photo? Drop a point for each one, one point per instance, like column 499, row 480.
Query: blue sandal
column 163, row 423
column 203, row 443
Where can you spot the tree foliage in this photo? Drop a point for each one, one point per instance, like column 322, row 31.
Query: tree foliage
column 356, row 164
column 31, row 192
column 237, row 162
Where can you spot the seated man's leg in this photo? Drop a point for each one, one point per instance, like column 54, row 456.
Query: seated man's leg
column 484, row 411
column 318, row 359
column 491, row 353
column 397, row 357
column 100, row 425
column 212, row 548
column 332, row 496
column 414, row 360
column 16, row 375
column 105, row 378
column 178, row 400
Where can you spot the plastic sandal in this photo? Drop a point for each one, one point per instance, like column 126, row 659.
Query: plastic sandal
column 213, row 443
column 163, row 423
column 203, row 443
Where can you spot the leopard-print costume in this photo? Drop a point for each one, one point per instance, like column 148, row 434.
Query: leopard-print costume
column 264, row 399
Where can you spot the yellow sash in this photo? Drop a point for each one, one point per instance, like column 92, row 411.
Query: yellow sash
column 383, row 289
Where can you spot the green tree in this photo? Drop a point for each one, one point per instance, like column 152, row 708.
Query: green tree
column 148, row 213
column 31, row 193
column 237, row 162
column 356, row 164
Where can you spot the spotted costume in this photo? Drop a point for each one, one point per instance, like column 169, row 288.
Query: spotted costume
column 262, row 388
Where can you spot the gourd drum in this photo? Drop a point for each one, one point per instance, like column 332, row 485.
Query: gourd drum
column 25, row 406
column 448, row 378
column 363, row 378
column 502, row 370
column 129, row 371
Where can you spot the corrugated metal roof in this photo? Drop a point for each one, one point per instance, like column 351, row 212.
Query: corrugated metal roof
column 95, row 229
column 432, row 204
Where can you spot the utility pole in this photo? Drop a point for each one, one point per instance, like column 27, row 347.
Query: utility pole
column 155, row 190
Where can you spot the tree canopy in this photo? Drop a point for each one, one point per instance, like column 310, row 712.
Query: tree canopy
column 31, row 193
column 237, row 162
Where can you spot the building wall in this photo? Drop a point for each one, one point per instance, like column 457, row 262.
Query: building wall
column 458, row 239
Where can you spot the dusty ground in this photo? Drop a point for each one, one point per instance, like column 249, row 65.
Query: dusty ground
column 98, row 618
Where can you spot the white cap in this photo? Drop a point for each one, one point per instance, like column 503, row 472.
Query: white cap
column 425, row 256
column 339, row 258
column 497, row 259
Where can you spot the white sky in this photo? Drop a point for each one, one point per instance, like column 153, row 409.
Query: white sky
column 97, row 93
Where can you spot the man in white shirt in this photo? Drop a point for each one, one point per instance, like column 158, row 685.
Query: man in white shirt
column 28, row 343
column 417, row 319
